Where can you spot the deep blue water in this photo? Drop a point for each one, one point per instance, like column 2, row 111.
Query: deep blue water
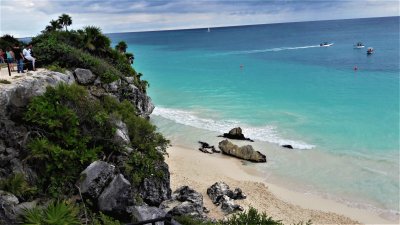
column 282, row 88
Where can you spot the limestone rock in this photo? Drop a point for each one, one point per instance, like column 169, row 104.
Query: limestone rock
column 95, row 178
column 228, row 205
column 145, row 212
column 116, row 197
column 7, row 210
column 154, row 189
column 84, row 76
column 219, row 189
column 121, row 134
column 236, row 133
column 245, row 152
column 206, row 148
column 184, row 201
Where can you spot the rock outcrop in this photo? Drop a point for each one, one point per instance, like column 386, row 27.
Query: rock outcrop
column 95, row 178
column 245, row 152
column 8, row 202
column 184, row 201
column 236, row 133
column 116, row 197
column 155, row 189
column 84, row 76
column 220, row 194
column 100, row 181
column 288, row 146
column 219, row 189
column 206, row 148
column 145, row 212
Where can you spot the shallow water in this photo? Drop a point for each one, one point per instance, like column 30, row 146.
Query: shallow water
column 276, row 83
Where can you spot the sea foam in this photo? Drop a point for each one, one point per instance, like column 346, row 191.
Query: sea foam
column 264, row 133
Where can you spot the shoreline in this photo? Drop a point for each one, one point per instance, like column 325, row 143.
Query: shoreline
column 198, row 170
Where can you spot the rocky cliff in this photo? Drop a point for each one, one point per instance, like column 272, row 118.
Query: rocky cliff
column 15, row 135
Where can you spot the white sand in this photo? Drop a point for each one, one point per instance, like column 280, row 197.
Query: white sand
column 199, row 171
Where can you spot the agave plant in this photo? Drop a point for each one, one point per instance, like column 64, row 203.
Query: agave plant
column 56, row 213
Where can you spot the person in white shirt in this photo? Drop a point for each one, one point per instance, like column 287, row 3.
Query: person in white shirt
column 27, row 55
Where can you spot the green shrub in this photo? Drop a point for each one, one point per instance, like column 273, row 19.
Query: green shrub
column 102, row 219
column 66, row 56
column 252, row 216
column 56, row 68
column 63, row 151
column 17, row 185
column 2, row 81
column 56, row 213
column 75, row 129
column 189, row 220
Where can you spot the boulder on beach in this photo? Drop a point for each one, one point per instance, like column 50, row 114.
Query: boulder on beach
column 245, row 152
column 206, row 148
column 219, row 189
column 236, row 133
column 220, row 194
column 185, row 201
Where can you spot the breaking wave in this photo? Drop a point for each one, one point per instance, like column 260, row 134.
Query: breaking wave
column 264, row 133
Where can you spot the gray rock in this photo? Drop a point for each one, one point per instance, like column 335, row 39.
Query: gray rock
column 18, row 94
column 154, row 189
column 245, row 152
column 228, row 205
column 144, row 106
column 121, row 134
column 84, row 76
column 184, row 201
column 220, row 194
column 21, row 208
column 116, row 197
column 217, row 190
column 144, row 212
column 130, row 80
column 238, row 194
column 236, row 133
column 7, row 208
column 95, row 178
column 113, row 86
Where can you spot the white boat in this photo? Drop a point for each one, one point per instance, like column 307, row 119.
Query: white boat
column 325, row 44
column 370, row 51
column 359, row 45
column 208, row 30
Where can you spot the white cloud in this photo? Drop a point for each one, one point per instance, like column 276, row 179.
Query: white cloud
column 28, row 17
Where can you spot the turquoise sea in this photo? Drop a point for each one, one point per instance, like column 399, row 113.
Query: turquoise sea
column 281, row 87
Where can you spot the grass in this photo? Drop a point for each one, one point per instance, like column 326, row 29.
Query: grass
column 2, row 81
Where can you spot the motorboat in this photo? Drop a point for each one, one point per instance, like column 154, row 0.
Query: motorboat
column 359, row 45
column 325, row 44
column 370, row 51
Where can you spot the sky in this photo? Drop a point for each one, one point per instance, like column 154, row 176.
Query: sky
column 25, row 18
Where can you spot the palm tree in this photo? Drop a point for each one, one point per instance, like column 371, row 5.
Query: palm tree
column 121, row 46
column 65, row 21
column 94, row 40
column 54, row 25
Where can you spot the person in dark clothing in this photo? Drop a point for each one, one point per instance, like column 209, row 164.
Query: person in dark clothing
column 19, row 58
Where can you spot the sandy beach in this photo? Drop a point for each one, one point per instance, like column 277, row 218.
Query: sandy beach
column 199, row 171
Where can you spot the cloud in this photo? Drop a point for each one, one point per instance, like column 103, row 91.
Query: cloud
column 28, row 17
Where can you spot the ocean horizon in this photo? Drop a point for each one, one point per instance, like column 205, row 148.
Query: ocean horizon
column 337, row 106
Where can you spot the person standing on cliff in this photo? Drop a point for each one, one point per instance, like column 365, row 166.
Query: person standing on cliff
column 19, row 57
